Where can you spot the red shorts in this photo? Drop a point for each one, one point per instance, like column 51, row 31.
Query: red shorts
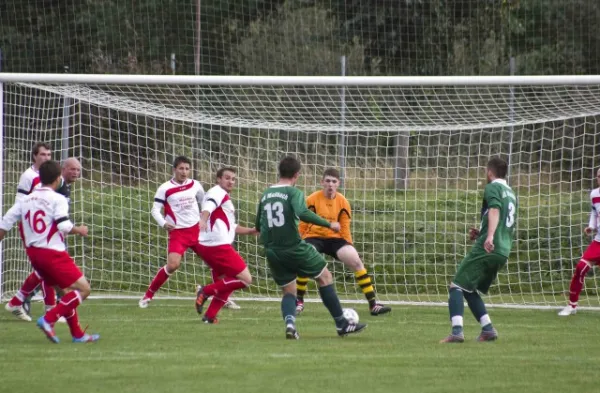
column 182, row 239
column 223, row 260
column 592, row 253
column 56, row 268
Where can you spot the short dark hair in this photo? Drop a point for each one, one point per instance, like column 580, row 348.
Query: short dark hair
column 36, row 148
column 498, row 166
column 331, row 172
column 221, row 171
column 49, row 172
column 181, row 160
column 288, row 167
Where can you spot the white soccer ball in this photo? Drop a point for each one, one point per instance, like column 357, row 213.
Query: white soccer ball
column 351, row 315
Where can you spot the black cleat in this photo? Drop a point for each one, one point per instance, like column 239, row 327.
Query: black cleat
column 291, row 333
column 491, row 335
column 351, row 328
column 201, row 298
column 379, row 309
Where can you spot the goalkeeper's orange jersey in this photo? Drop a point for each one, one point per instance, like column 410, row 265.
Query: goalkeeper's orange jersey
column 333, row 210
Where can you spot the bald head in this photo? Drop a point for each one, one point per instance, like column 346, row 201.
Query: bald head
column 71, row 170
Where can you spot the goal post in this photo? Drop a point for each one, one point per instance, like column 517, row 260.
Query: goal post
column 414, row 152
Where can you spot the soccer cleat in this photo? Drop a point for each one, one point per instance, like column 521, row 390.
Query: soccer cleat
column 210, row 320
column 18, row 311
column 47, row 329
column 201, row 298
column 27, row 306
column 351, row 328
column 143, row 303
column 485, row 335
column 87, row 338
column 569, row 310
column 62, row 320
column 299, row 307
column 379, row 309
column 291, row 333
column 453, row 338
column 231, row 305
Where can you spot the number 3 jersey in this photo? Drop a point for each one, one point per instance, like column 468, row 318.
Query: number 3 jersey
column 499, row 195
column 45, row 217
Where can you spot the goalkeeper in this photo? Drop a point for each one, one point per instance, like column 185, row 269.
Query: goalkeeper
column 329, row 204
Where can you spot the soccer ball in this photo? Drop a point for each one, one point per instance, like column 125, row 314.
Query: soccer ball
column 351, row 315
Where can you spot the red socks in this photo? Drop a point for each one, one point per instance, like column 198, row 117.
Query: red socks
column 161, row 277
column 227, row 284
column 29, row 285
column 66, row 306
column 577, row 282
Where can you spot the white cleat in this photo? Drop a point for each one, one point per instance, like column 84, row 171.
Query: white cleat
column 62, row 320
column 18, row 312
column 569, row 310
column 143, row 303
column 231, row 305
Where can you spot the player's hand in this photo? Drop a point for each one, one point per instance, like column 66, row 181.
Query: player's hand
column 169, row 227
column 489, row 244
column 473, row 233
column 254, row 231
column 203, row 226
column 335, row 226
column 588, row 230
column 82, row 230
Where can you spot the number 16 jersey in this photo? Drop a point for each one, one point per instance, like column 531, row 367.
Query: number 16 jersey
column 499, row 195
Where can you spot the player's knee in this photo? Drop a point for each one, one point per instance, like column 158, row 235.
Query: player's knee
column 582, row 267
column 246, row 277
column 173, row 263
column 325, row 278
column 84, row 289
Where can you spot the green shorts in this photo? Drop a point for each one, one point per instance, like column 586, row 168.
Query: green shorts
column 478, row 270
column 302, row 260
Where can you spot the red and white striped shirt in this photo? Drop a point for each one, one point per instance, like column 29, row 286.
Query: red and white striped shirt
column 29, row 180
column 45, row 217
column 221, row 222
column 179, row 203
column 595, row 214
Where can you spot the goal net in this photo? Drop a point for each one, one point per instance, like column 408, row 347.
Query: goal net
column 412, row 152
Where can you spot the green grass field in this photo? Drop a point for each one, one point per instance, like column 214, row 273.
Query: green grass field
column 165, row 348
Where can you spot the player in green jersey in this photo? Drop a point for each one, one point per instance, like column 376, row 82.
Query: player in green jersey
column 479, row 268
column 280, row 208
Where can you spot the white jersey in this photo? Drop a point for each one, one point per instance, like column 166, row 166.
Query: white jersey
column 29, row 180
column 179, row 203
column 45, row 217
column 221, row 222
column 595, row 214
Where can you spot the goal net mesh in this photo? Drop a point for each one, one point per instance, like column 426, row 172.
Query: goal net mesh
column 413, row 162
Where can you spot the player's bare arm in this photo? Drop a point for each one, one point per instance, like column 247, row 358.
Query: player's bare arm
column 493, row 219
column 81, row 230
column 240, row 230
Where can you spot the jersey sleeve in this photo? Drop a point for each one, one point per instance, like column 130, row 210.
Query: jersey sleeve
column 298, row 204
column 213, row 199
column 492, row 197
column 593, row 222
column 159, row 201
column 24, row 186
column 344, row 219
column 61, row 215
column 11, row 217
column 304, row 227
